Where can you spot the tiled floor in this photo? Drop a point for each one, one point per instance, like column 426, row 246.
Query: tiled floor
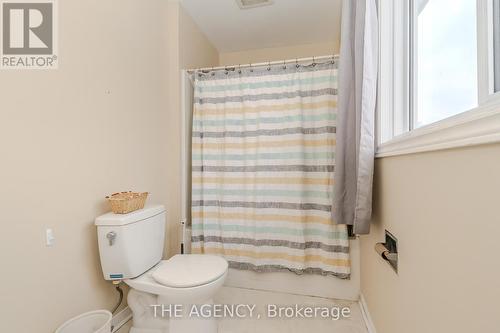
column 353, row 324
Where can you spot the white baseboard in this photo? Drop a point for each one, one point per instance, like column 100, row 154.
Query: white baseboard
column 121, row 318
column 366, row 315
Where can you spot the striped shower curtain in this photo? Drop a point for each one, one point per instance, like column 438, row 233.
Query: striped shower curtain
column 263, row 158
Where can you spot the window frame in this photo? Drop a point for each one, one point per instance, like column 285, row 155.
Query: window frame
column 395, row 132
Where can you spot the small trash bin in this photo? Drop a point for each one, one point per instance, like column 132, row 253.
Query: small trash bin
column 90, row 322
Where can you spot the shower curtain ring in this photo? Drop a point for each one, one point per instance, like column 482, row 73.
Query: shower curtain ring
column 314, row 62
column 297, row 63
column 239, row 68
column 284, row 64
column 268, row 65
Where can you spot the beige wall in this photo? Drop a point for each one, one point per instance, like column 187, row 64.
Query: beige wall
column 444, row 209
column 279, row 53
column 195, row 50
column 101, row 123
column 188, row 48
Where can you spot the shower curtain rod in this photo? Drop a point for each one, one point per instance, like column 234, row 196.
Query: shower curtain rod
column 262, row 64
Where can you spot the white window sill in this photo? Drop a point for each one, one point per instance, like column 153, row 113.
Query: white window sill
column 474, row 127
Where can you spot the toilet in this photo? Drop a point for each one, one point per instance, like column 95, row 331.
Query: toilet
column 163, row 292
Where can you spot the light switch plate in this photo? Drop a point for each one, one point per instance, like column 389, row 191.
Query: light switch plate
column 49, row 237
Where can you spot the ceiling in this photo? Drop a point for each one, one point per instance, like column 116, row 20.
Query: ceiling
column 284, row 23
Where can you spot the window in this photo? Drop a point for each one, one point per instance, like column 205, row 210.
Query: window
column 439, row 70
column 444, row 59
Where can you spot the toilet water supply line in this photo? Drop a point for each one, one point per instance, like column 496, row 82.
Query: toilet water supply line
column 120, row 291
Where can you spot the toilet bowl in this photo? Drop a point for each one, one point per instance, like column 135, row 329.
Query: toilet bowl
column 163, row 292
column 162, row 298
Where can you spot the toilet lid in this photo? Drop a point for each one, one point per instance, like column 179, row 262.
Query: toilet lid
column 190, row 270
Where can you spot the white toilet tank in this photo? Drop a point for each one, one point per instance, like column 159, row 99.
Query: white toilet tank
column 130, row 244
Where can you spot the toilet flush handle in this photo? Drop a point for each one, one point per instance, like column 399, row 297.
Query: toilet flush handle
column 111, row 236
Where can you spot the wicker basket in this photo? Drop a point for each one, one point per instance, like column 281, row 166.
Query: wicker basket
column 126, row 202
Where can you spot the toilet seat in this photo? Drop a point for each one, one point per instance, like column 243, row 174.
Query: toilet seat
column 190, row 270
column 187, row 295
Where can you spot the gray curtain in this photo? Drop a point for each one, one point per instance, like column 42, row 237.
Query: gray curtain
column 356, row 115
